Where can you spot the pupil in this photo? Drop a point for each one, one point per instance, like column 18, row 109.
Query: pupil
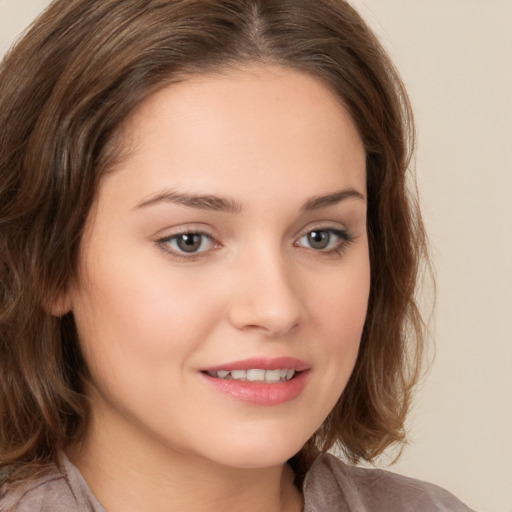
column 318, row 239
column 189, row 243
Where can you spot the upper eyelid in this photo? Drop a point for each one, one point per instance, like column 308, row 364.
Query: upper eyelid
column 344, row 235
column 184, row 229
column 332, row 226
column 172, row 236
column 186, row 232
column 213, row 234
column 181, row 233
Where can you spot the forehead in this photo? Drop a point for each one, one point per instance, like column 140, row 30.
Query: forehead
column 258, row 121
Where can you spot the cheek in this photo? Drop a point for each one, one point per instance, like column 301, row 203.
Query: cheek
column 343, row 301
column 340, row 314
column 139, row 320
column 137, row 334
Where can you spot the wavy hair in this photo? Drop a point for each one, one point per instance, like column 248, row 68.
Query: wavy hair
column 65, row 89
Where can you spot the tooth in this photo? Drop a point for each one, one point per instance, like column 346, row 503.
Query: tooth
column 253, row 375
column 272, row 375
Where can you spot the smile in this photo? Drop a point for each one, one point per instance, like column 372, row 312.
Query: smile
column 260, row 381
column 255, row 375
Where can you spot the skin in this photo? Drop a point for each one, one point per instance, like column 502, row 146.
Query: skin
column 268, row 140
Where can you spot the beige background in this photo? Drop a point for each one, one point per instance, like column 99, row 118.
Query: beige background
column 456, row 59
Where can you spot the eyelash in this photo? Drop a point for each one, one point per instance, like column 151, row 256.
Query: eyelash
column 164, row 244
column 344, row 237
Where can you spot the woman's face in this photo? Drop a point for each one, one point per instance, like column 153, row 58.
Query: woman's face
column 228, row 250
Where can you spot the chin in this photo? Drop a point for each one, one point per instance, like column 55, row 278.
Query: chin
column 259, row 451
column 257, row 460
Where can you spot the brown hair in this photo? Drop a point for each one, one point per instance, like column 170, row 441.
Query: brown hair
column 65, row 90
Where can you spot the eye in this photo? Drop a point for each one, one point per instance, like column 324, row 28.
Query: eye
column 187, row 243
column 325, row 240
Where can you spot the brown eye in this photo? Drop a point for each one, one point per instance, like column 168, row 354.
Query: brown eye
column 324, row 240
column 187, row 243
column 319, row 239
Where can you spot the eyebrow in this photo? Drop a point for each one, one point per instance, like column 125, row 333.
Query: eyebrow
column 318, row 202
column 200, row 202
column 221, row 204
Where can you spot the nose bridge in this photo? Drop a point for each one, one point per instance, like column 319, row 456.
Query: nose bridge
column 265, row 295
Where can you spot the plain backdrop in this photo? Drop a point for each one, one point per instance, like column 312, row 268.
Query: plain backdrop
column 455, row 57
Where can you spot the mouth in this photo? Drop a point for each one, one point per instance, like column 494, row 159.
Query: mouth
column 255, row 375
column 260, row 381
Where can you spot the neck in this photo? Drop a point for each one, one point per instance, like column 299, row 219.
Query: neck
column 131, row 476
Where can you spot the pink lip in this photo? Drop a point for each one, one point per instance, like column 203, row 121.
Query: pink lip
column 262, row 363
column 261, row 393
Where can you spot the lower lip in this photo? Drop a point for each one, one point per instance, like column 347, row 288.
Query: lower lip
column 260, row 393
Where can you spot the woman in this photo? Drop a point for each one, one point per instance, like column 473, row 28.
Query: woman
column 209, row 260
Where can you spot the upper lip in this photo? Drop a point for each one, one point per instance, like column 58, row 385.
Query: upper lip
column 262, row 363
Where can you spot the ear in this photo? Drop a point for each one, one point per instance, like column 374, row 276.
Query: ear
column 59, row 305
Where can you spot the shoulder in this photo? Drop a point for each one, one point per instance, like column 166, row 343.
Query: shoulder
column 44, row 494
column 332, row 485
column 59, row 489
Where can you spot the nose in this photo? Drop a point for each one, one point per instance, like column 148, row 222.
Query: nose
column 266, row 297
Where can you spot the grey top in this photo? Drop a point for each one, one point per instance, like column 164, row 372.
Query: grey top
column 329, row 486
